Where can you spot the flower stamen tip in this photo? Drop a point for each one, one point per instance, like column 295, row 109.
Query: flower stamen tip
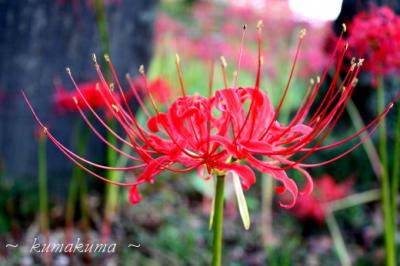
column 302, row 33
column 354, row 82
column 94, row 58
column 260, row 25
column 344, row 27
column 107, row 57
column 177, row 58
column 235, row 74
column 141, row 69
column 223, row 61
column 116, row 109
column 75, row 100
column 111, row 86
column 68, row 70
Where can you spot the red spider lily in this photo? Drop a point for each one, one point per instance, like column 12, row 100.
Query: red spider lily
column 158, row 88
column 64, row 100
column 375, row 35
column 325, row 191
column 227, row 132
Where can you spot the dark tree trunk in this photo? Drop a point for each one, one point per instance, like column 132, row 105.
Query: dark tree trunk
column 38, row 40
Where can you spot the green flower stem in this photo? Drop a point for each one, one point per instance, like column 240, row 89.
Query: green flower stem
column 111, row 198
column 386, row 198
column 43, row 195
column 78, row 185
column 396, row 170
column 101, row 20
column 337, row 239
column 267, row 183
column 218, row 221
column 71, row 201
column 367, row 144
column 112, row 191
column 84, row 207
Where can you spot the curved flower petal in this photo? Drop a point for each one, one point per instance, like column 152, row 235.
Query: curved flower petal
column 134, row 196
column 279, row 175
column 308, row 188
column 246, row 174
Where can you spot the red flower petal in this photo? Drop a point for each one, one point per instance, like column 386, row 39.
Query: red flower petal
column 134, row 196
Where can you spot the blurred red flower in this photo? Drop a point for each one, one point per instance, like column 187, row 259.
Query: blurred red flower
column 375, row 35
column 158, row 88
column 326, row 190
column 64, row 99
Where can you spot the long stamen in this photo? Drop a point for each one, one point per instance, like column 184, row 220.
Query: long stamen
column 236, row 76
column 301, row 37
column 136, row 94
column 118, row 115
column 153, row 103
column 114, row 74
column 260, row 58
column 94, row 112
column 45, row 130
column 223, row 69
column 211, row 79
column 178, row 68
column 101, row 137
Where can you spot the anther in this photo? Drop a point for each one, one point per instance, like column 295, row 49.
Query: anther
column 302, row 33
column 111, row 86
column 223, row 61
column 346, row 45
column 75, row 100
column 318, row 79
column 141, row 69
column 107, row 57
column 344, row 28
column 45, row 130
column 94, row 58
column 68, row 70
column 235, row 73
column 177, row 58
column 312, row 81
column 260, row 25
column 262, row 60
column 115, row 108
